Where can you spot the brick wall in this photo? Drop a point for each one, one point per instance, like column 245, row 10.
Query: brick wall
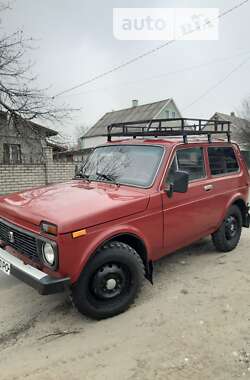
column 60, row 172
column 19, row 177
column 57, row 171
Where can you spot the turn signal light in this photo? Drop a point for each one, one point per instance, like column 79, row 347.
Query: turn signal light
column 49, row 228
column 79, row 233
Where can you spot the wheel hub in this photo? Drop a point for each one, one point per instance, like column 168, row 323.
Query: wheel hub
column 111, row 284
column 109, row 281
column 231, row 227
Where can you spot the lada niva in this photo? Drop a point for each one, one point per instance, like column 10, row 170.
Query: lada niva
column 134, row 200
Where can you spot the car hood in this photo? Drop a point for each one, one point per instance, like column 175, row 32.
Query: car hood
column 74, row 205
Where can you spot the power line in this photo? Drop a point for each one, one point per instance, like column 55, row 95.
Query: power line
column 143, row 55
column 105, row 73
column 174, row 72
column 218, row 83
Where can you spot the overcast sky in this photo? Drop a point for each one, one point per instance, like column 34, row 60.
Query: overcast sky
column 75, row 41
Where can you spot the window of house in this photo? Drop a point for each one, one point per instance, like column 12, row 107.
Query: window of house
column 167, row 114
column 173, row 114
column 222, row 160
column 12, row 154
column 189, row 160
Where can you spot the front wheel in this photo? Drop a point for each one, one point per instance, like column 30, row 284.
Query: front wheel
column 110, row 281
column 227, row 237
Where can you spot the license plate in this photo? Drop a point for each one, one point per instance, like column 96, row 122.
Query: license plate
column 4, row 266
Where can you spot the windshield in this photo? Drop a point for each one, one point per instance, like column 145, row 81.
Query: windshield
column 124, row 164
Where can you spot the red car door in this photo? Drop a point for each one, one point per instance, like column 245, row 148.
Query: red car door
column 187, row 215
column 226, row 177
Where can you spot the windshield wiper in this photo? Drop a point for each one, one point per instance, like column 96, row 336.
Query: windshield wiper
column 84, row 176
column 107, row 177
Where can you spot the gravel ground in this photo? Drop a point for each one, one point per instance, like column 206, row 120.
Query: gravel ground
column 194, row 323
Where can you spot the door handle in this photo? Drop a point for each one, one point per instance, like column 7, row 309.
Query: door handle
column 208, row 187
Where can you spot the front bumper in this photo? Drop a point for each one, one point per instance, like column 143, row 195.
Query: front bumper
column 37, row 279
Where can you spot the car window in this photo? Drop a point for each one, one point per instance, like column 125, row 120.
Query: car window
column 172, row 170
column 222, row 160
column 190, row 160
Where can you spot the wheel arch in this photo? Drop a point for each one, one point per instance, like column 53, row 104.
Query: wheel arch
column 139, row 246
column 239, row 202
column 134, row 241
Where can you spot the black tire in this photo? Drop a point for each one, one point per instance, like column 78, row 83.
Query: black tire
column 110, row 281
column 227, row 237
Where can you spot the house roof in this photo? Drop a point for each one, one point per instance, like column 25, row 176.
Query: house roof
column 48, row 131
column 72, row 152
column 237, row 124
column 56, row 147
column 236, row 121
column 145, row 111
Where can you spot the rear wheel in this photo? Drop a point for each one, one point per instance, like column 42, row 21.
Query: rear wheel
column 109, row 282
column 227, row 237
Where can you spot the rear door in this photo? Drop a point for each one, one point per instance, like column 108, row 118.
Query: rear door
column 187, row 215
column 226, row 180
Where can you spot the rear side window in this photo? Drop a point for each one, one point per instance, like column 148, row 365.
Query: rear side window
column 190, row 160
column 222, row 160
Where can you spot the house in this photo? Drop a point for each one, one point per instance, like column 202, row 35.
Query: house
column 56, row 148
column 162, row 109
column 26, row 156
column 22, row 142
column 74, row 155
column 237, row 126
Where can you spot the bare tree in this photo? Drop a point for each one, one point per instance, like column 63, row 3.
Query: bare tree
column 19, row 95
column 245, row 109
column 244, row 125
column 80, row 131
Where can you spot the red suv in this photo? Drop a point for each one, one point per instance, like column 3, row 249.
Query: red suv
column 134, row 201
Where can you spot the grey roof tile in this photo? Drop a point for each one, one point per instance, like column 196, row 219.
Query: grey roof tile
column 144, row 111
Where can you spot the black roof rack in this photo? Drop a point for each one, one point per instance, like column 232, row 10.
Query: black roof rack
column 170, row 127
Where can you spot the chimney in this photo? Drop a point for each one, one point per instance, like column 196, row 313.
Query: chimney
column 232, row 114
column 134, row 102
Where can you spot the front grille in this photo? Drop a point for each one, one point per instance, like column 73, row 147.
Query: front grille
column 22, row 242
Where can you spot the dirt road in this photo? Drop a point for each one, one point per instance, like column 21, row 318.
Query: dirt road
column 194, row 323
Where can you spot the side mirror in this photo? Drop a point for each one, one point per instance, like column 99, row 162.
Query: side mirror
column 179, row 184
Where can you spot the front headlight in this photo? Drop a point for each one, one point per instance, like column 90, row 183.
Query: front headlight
column 48, row 254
